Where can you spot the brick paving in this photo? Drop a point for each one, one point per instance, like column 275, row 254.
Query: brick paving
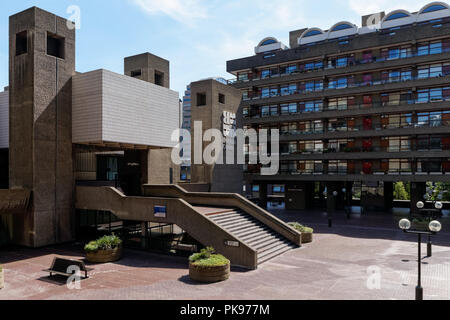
column 336, row 265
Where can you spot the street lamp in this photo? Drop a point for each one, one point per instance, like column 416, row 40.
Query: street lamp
column 435, row 227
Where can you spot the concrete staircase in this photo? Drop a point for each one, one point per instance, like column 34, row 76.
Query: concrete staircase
column 253, row 233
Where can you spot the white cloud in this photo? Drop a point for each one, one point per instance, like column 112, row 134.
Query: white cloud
column 184, row 11
column 373, row 6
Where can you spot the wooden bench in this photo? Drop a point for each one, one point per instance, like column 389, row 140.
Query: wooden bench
column 60, row 266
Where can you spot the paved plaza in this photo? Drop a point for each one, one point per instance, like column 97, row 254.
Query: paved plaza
column 364, row 258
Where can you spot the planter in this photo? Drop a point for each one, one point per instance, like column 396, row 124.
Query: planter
column 209, row 274
column 104, row 256
column 2, row 279
column 307, row 237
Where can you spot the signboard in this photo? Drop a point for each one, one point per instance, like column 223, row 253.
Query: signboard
column 160, row 211
column 229, row 124
column 232, row 243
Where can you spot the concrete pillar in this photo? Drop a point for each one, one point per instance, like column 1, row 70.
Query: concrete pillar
column 388, row 196
column 331, row 199
column 144, row 235
column 41, row 66
column 263, row 195
column 418, row 190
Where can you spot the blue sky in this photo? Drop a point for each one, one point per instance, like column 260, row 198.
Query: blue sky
column 197, row 36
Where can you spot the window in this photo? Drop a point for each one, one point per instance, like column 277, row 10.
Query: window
column 159, row 78
column 265, row 111
column 267, row 42
column 21, row 43
column 342, row 27
column 55, row 45
column 397, row 15
column 221, row 98
column 312, row 33
column 433, row 8
column 201, row 99
column 136, row 73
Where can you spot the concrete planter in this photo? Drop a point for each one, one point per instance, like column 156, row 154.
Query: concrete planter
column 307, row 237
column 2, row 279
column 104, row 256
column 209, row 274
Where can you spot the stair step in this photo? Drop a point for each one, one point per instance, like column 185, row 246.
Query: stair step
column 268, row 256
column 225, row 216
column 258, row 235
column 239, row 226
column 232, row 221
column 263, row 246
column 252, row 241
column 250, row 230
column 277, row 248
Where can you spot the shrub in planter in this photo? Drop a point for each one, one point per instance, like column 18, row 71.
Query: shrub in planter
column 307, row 233
column 105, row 249
column 208, row 267
column 2, row 278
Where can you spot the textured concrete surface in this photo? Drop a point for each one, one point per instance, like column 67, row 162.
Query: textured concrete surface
column 337, row 265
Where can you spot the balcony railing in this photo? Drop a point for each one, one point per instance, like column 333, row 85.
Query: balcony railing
column 350, row 63
column 361, row 106
column 257, row 96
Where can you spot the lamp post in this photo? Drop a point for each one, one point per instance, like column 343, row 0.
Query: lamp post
column 435, row 227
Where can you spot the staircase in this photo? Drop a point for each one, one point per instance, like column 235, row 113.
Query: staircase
column 253, row 233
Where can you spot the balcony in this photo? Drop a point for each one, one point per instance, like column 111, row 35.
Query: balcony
column 329, row 69
column 114, row 110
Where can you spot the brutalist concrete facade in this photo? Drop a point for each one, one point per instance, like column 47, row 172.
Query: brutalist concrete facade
column 148, row 67
column 40, row 124
column 217, row 99
column 354, row 141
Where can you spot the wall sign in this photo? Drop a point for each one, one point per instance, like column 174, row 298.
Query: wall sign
column 160, row 211
column 232, row 243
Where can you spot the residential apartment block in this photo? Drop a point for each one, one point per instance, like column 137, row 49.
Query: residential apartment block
column 357, row 108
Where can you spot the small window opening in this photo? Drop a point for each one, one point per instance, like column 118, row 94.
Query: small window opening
column 21, row 43
column 136, row 73
column 201, row 99
column 55, row 45
column 221, row 98
column 159, row 78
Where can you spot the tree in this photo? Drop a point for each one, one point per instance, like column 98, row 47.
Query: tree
column 400, row 192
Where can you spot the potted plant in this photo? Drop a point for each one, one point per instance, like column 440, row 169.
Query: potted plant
column 105, row 249
column 208, row 267
column 307, row 233
column 2, row 278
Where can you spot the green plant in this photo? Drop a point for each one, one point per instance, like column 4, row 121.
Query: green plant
column 297, row 226
column 104, row 243
column 207, row 258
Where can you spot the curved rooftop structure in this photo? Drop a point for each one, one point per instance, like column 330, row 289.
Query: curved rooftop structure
column 380, row 21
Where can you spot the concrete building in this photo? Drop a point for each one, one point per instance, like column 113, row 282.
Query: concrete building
column 212, row 103
column 358, row 108
column 87, row 154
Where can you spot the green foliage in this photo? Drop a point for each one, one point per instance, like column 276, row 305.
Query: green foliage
column 207, row 258
column 400, row 192
column 297, row 226
column 203, row 254
column 104, row 243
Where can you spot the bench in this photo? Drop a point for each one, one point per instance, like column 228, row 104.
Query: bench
column 60, row 266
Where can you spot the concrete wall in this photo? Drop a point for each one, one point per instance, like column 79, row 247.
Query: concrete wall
column 126, row 110
column 221, row 177
column 148, row 64
column 41, row 127
column 4, row 120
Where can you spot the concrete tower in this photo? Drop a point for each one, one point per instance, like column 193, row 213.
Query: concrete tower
column 41, row 65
